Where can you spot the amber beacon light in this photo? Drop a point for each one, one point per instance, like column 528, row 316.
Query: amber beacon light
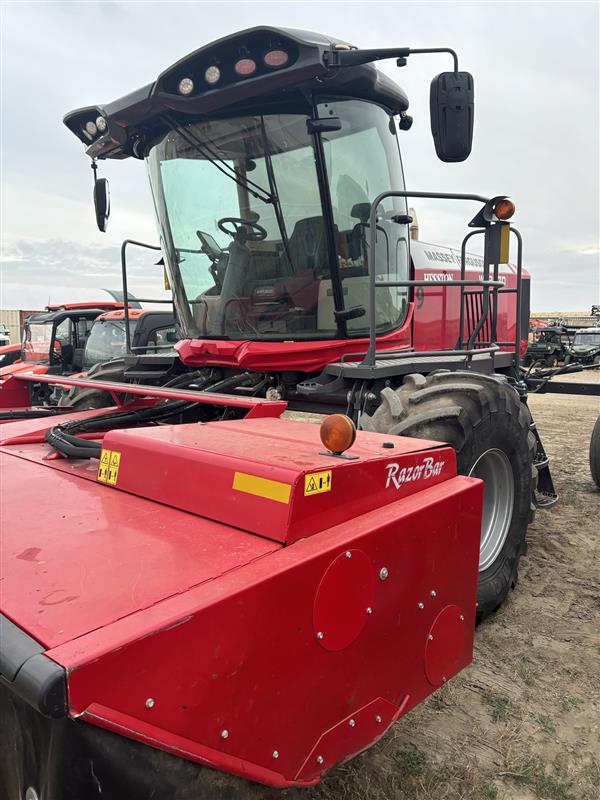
column 504, row 209
column 338, row 433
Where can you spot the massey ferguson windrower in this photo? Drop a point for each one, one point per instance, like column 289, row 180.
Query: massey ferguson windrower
column 213, row 585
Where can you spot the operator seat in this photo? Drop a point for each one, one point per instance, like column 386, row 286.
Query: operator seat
column 234, row 280
column 308, row 245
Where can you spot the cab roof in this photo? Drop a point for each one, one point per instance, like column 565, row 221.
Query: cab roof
column 76, row 306
column 132, row 121
column 52, row 317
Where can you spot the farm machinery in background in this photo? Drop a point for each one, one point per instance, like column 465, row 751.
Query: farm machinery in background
column 54, row 343
column 230, row 589
column 86, row 340
column 585, row 347
column 549, row 347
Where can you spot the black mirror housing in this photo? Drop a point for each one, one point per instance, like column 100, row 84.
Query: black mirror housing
column 101, row 203
column 452, row 107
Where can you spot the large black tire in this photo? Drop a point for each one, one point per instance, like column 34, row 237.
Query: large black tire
column 489, row 427
column 81, row 399
column 595, row 453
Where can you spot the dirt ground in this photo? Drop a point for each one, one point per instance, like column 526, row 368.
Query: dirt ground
column 523, row 721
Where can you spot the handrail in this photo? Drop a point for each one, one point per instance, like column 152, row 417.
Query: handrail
column 370, row 356
column 494, row 284
column 124, row 279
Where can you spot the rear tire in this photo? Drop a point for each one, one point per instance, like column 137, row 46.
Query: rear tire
column 595, row 453
column 483, row 418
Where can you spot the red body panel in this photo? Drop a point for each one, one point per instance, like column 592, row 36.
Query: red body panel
column 281, row 453
column 437, row 308
column 175, row 628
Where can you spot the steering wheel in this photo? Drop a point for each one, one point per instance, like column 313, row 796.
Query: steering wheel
column 244, row 230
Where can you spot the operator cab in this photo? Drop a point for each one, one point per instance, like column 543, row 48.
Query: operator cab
column 265, row 151
column 241, row 211
column 57, row 337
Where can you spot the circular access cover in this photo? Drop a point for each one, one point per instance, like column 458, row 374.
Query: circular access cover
column 444, row 645
column 344, row 600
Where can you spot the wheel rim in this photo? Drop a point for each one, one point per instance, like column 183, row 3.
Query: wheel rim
column 494, row 469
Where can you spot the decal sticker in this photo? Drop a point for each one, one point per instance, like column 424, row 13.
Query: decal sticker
column 430, row 468
column 317, row 482
column 108, row 468
column 262, row 487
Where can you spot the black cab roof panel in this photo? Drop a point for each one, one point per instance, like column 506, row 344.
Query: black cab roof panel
column 131, row 120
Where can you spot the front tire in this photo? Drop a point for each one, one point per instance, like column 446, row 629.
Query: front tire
column 483, row 418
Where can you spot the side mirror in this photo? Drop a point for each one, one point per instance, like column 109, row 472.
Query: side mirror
column 101, row 203
column 452, row 107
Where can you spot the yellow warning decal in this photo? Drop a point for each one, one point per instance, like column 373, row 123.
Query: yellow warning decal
column 262, row 487
column 108, row 469
column 317, row 482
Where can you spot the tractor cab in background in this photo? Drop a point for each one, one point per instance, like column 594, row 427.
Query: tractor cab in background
column 54, row 341
column 150, row 332
column 57, row 337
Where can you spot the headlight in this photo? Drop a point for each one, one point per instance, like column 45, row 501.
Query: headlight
column 186, row 86
column 212, row 74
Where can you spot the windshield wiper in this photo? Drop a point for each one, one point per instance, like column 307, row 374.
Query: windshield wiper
column 229, row 171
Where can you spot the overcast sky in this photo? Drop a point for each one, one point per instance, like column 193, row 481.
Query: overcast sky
column 536, row 69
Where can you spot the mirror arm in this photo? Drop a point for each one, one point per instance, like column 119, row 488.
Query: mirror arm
column 352, row 58
column 438, row 50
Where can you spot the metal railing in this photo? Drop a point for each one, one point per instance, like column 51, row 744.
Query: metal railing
column 128, row 346
column 490, row 286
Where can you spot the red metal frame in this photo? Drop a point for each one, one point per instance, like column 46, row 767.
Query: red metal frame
column 258, row 406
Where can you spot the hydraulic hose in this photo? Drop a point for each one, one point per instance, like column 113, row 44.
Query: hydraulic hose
column 62, row 438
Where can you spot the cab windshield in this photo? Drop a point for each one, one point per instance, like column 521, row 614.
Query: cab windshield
column 40, row 344
column 240, row 208
column 587, row 339
column 106, row 341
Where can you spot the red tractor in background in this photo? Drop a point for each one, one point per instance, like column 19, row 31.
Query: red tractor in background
column 83, row 340
column 54, row 339
column 150, row 333
column 229, row 587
